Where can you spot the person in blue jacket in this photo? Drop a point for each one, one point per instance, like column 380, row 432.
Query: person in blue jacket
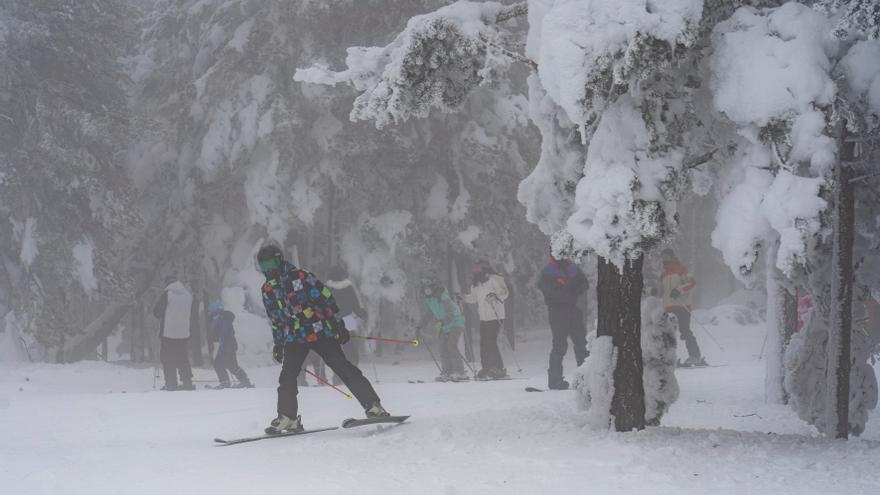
column 225, row 361
column 449, row 321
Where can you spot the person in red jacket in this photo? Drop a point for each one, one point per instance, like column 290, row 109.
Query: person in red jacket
column 678, row 285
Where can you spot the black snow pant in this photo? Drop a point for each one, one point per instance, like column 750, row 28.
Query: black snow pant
column 295, row 355
column 174, row 355
column 490, row 355
column 351, row 349
column 566, row 322
column 684, row 330
column 227, row 361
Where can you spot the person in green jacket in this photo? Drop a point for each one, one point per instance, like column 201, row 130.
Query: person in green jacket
column 449, row 322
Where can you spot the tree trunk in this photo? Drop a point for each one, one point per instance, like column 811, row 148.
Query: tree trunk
column 840, row 336
column 619, row 300
column 774, row 375
column 195, row 330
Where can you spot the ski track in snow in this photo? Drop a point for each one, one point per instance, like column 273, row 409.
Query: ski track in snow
column 463, row 438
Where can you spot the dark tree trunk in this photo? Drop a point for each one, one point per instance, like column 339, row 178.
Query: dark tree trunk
column 839, row 340
column 619, row 296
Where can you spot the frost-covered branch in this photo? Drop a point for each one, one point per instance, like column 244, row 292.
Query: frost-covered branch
column 434, row 63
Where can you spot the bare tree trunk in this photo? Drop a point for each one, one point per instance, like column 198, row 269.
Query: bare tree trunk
column 619, row 300
column 840, row 335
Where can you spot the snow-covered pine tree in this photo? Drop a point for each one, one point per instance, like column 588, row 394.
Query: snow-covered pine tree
column 780, row 182
column 602, row 70
column 64, row 194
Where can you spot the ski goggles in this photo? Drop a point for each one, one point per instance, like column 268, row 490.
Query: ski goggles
column 269, row 265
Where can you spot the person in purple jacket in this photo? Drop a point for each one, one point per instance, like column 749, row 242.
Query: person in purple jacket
column 562, row 284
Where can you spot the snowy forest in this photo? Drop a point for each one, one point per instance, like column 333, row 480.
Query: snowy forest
column 408, row 148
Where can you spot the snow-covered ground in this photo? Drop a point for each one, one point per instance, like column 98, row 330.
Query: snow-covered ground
column 71, row 430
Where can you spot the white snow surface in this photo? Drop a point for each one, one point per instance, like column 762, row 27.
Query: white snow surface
column 719, row 438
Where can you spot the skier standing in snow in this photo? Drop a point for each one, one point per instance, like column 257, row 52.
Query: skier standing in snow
column 562, row 284
column 450, row 325
column 225, row 360
column 678, row 285
column 488, row 292
column 350, row 308
column 305, row 318
column 173, row 311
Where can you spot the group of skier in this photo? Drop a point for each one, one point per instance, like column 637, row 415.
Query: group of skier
column 308, row 315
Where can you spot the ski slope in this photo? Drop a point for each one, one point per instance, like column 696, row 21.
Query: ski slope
column 70, row 429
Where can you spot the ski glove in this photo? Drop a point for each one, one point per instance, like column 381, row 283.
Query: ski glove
column 343, row 336
column 278, row 353
column 675, row 294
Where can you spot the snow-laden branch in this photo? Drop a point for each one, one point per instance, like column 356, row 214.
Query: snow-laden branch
column 433, row 63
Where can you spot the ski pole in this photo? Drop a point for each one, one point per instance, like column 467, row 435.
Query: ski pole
column 325, row 382
column 761, row 355
column 469, row 365
column 500, row 324
column 437, row 363
column 704, row 329
column 412, row 342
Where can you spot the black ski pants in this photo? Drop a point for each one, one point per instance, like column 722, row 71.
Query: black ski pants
column 490, row 355
column 566, row 322
column 174, row 355
column 226, row 362
column 295, row 355
column 684, row 330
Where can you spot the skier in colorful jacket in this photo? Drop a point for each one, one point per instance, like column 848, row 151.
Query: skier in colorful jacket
column 304, row 318
column 562, row 284
column 678, row 285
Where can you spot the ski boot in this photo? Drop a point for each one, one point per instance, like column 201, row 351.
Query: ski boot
column 377, row 411
column 443, row 377
column 244, row 384
column 283, row 424
column 558, row 385
column 482, row 375
column 459, row 377
column 187, row 386
column 692, row 362
column 498, row 374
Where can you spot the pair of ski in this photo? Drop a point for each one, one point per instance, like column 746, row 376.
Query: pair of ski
column 348, row 423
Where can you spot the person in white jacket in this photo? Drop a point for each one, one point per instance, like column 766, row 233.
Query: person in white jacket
column 489, row 292
column 173, row 311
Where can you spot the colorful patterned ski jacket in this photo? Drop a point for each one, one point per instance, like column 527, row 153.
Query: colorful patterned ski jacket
column 300, row 309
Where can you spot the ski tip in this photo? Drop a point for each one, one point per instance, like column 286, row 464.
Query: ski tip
column 221, row 441
column 533, row 389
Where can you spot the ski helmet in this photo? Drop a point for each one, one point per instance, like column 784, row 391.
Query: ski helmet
column 270, row 259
